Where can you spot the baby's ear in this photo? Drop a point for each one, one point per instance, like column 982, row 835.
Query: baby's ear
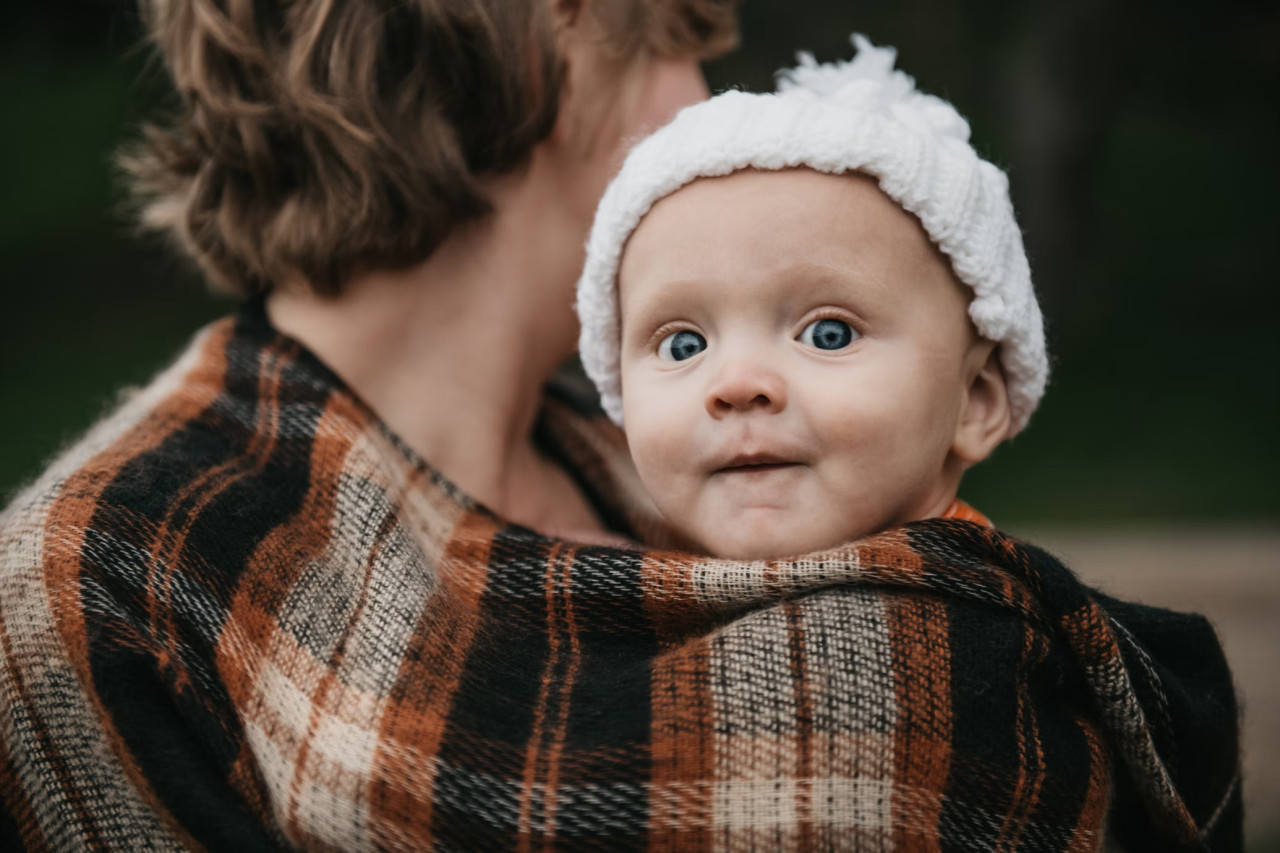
column 984, row 416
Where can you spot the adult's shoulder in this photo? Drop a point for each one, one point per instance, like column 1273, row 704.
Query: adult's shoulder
column 166, row 452
column 112, row 599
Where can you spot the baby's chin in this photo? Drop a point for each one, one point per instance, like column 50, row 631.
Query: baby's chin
column 732, row 531
column 752, row 551
column 759, row 542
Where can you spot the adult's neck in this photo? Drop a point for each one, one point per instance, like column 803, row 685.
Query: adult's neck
column 452, row 353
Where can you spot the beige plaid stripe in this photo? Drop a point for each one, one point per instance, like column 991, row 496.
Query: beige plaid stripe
column 781, row 787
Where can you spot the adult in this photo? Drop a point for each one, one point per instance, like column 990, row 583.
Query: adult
column 347, row 577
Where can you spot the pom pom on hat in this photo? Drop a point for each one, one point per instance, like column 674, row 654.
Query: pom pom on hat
column 857, row 116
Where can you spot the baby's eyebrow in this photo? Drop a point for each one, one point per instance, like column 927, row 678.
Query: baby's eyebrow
column 662, row 295
column 843, row 274
column 647, row 313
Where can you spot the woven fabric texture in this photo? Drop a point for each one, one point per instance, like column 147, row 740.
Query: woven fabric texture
column 240, row 615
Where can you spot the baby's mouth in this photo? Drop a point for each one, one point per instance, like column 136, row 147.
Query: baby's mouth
column 755, row 463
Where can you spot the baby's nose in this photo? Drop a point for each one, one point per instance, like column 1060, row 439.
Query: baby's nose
column 743, row 385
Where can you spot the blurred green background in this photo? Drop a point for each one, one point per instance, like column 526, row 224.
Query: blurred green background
column 1141, row 139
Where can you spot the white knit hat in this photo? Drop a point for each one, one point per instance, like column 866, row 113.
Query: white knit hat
column 859, row 116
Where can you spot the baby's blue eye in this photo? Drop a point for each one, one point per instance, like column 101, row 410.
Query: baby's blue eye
column 680, row 345
column 828, row 334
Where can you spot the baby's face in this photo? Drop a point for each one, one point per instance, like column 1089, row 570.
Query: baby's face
column 795, row 359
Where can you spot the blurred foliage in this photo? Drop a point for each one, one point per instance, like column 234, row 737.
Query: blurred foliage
column 1140, row 139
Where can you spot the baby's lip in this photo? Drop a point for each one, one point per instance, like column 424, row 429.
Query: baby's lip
column 753, row 461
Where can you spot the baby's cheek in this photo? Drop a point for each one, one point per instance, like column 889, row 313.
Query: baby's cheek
column 662, row 458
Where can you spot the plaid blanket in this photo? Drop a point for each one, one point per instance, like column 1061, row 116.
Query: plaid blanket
column 240, row 615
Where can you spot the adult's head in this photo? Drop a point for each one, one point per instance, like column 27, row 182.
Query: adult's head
column 315, row 139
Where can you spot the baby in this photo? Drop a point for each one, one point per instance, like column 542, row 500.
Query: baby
column 811, row 311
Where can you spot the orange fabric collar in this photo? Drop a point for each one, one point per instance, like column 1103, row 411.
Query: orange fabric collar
column 962, row 511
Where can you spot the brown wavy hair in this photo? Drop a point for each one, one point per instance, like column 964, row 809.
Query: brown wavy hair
column 315, row 137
